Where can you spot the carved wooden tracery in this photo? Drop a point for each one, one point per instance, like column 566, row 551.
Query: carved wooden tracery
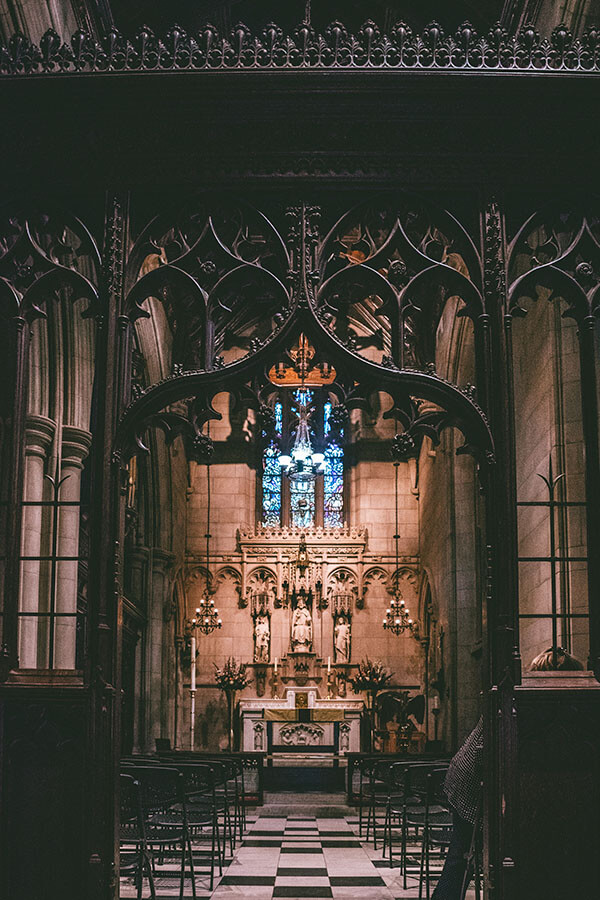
column 342, row 328
column 369, row 301
column 238, row 291
column 335, row 49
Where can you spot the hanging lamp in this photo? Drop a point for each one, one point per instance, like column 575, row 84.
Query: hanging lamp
column 397, row 616
column 207, row 618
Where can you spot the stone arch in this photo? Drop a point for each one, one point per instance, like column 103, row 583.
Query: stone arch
column 197, row 580
column 261, row 588
column 228, row 574
column 376, row 581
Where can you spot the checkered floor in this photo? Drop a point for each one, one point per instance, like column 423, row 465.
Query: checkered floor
column 297, row 857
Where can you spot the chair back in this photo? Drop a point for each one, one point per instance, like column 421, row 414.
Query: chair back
column 417, row 778
column 221, row 765
column 379, row 774
column 397, row 777
column 131, row 820
column 435, row 786
column 161, row 787
column 198, row 778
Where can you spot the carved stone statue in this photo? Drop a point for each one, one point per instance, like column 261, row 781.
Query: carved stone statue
column 299, row 734
column 302, row 628
column 342, row 640
column 261, row 639
column 258, row 736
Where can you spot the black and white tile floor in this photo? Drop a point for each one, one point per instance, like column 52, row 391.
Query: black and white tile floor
column 296, row 857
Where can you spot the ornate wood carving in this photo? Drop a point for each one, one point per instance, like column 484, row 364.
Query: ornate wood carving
column 379, row 279
column 304, row 50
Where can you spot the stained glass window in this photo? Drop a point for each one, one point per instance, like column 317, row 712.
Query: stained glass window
column 271, row 486
column 326, row 413
column 303, row 396
column 333, row 487
column 304, row 503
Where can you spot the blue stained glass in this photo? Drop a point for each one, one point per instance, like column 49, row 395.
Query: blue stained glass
column 333, row 487
column 302, row 503
column 326, row 413
column 303, row 396
column 271, row 487
column 302, row 499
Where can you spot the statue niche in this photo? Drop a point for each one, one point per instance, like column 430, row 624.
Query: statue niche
column 341, row 640
column 262, row 638
column 302, row 629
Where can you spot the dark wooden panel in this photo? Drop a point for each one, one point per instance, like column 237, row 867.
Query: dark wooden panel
column 42, row 747
column 559, row 794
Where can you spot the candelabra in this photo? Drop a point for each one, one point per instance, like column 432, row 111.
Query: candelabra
column 397, row 617
column 207, row 617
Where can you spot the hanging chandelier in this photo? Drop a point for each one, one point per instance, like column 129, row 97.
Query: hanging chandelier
column 207, row 618
column 302, row 464
column 397, row 616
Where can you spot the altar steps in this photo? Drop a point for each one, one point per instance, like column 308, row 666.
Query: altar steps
column 278, row 805
column 304, row 778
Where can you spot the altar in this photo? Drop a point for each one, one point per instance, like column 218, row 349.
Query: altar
column 301, row 723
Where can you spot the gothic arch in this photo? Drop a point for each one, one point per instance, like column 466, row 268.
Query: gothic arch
column 305, row 308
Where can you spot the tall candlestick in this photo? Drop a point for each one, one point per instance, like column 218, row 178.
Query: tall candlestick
column 193, row 663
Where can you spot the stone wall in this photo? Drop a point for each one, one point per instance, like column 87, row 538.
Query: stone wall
column 234, row 505
column 548, row 425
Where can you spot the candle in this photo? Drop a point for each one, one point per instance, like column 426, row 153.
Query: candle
column 275, row 666
column 435, row 702
column 193, row 663
column 329, row 665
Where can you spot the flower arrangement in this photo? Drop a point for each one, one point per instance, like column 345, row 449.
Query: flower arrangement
column 370, row 676
column 232, row 677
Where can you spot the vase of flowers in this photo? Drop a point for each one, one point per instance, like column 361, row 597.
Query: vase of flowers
column 231, row 678
column 370, row 677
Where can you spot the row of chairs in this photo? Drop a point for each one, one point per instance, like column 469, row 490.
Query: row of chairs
column 166, row 802
column 412, row 796
column 373, row 790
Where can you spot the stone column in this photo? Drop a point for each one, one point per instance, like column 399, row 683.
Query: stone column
column 159, row 661
column 75, row 448
column 38, row 439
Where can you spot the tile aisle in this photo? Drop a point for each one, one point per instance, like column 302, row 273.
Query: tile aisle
column 298, row 857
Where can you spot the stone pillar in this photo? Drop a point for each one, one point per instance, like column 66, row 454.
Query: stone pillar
column 75, row 448
column 38, row 439
column 159, row 662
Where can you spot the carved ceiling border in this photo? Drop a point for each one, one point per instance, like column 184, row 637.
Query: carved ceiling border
column 369, row 50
